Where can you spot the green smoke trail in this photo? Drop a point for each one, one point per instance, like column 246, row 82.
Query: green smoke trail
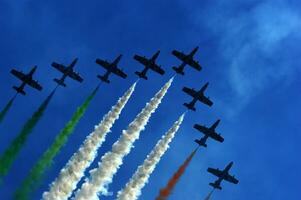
column 6, row 108
column 33, row 180
column 9, row 156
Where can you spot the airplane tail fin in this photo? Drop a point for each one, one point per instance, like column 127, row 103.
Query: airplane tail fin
column 201, row 143
column 60, row 82
column 103, row 78
column 189, row 106
column 215, row 185
column 141, row 75
column 178, row 70
column 19, row 90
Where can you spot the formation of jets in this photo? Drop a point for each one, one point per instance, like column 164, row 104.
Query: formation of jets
column 112, row 68
column 208, row 132
column 149, row 64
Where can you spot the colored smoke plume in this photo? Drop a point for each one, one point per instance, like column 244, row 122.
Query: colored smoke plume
column 166, row 191
column 33, row 179
column 9, row 156
column 6, row 108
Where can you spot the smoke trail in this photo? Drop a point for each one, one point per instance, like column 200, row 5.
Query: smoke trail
column 71, row 174
column 133, row 188
column 102, row 176
column 208, row 197
column 165, row 192
column 36, row 173
column 9, row 156
column 6, row 108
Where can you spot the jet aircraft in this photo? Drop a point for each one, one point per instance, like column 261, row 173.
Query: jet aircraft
column 26, row 80
column 208, row 132
column 149, row 63
column 187, row 59
column 197, row 96
column 222, row 175
column 111, row 68
column 67, row 72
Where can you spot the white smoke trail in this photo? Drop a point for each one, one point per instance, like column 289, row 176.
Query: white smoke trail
column 102, row 176
column 74, row 170
column 133, row 188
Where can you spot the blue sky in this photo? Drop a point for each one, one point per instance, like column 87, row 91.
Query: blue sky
column 250, row 55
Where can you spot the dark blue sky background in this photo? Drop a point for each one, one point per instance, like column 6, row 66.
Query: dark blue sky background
column 250, row 52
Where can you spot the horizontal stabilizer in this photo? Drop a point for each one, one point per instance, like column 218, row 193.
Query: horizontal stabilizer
column 216, row 186
column 201, row 143
column 60, row 82
column 141, row 75
column 178, row 70
column 189, row 106
column 103, row 78
column 19, row 90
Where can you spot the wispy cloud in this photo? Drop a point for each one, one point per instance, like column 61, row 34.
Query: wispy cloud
column 256, row 45
column 257, row 53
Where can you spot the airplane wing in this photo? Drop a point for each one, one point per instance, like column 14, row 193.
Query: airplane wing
column 18, row 74
column 215, row 172
column 217, row 137
column 194, row 64
column 231, row 179
column 34, row 84
column 59, row 67
column 76, row 76
column 206, row 100
column 141, row 59
column 190, row 91
column 119, row 72
column 157, row 68
column 103, row 63
column 179, row 55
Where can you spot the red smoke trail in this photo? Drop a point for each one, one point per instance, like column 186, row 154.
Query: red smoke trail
column 165, row 192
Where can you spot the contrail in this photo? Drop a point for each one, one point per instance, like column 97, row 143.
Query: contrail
column 6, row 108
column 208, row 197
column 71, row 174
column 33, row 179
column 9, row 156
column 133, row 188
column 102, row 176
column 166, row 191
